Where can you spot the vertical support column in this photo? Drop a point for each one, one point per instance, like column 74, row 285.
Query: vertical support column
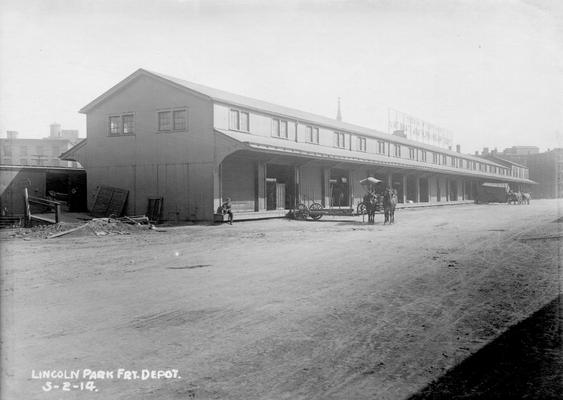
column 326, row 187
column 390, row 180
column 447, row 189
column 217, row 187
column 27, row 222
column 58, row 213
column 417, row 189
column 260, row 186
column 404, row 189
column 297, row 186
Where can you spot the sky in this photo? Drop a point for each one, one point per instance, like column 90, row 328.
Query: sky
column 490, row 72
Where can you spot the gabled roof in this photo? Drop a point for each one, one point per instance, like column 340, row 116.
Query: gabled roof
column 263, row 106
column 69, row 154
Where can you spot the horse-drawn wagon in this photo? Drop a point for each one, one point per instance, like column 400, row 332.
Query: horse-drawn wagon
column 316, row 211
column 370, row 204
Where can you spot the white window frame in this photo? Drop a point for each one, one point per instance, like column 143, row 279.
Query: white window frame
column 312, row 134
column 236, row 125
column 280, row 128
column 381, row 147
column 362, row 144
column 340, row 140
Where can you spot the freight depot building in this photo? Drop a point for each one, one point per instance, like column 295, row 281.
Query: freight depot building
column 158, row 136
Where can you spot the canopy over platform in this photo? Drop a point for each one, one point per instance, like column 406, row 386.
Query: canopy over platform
column 370, row 181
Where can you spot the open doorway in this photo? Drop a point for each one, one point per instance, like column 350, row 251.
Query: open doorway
column 339, row 188
column 424, row 190
column 399, row 187
column 280, row 186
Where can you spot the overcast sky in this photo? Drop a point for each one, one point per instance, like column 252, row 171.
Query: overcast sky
column 489, row 71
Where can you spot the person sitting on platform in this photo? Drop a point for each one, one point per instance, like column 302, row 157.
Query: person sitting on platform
column 226, row 209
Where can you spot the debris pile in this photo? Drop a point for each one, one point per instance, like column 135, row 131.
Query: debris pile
column 94, row 227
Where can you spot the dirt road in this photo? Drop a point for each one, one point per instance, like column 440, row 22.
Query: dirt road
column 279, row 309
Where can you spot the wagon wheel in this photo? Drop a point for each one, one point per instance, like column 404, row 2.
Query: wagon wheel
column 315, row 211
column 301, row 212
column 362, row 209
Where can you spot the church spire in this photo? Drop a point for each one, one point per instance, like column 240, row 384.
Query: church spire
column 338, row 113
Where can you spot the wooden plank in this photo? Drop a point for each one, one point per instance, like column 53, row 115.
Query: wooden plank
column 66, row 232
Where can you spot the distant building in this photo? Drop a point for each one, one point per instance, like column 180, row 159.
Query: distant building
column 514, row 169
column 520, row 154
column 545, row 168
column 38, row 152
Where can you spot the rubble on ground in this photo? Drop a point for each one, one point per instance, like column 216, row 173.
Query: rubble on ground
column 94, row 227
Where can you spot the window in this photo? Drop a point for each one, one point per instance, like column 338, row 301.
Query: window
column 173, row 120
column 121, row 125
column 164, row 121
column 434, row 158
column 128, row 124
column 312, row 134
column 244, row 125
column 114, row 126
column 339, row 140
column 396, row 150
column 279, row 128
column 444, row 159
column 239, row 121
column 411, row 153
column 361, row 144
column 180, row 120
column 234, row 120
column 423, row 155
column 381, row 147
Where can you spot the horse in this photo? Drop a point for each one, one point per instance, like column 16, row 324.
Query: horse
column 526, row 197
column 370, row 201
column 389, row 204
column 513, row 197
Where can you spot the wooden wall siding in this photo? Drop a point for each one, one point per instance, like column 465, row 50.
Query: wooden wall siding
column 239, row 183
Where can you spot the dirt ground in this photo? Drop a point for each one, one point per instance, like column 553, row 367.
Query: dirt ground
column 277, row 309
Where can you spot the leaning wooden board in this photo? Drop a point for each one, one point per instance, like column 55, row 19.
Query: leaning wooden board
column 109, row 201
